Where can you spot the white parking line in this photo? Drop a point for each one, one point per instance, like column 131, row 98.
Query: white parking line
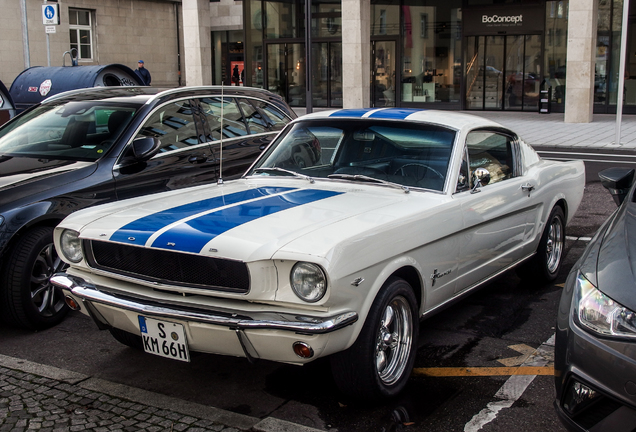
column 512, row 389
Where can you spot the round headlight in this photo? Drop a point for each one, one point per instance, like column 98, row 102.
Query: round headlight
column 71, row 246
column 308, row 281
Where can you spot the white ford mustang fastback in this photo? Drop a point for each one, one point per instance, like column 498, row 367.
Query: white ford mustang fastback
column 350, row 228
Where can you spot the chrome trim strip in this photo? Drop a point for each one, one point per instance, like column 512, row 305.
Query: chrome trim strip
column 270, row 321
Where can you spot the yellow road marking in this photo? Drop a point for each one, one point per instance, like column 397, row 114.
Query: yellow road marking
column 523, row 349
column 485, row 371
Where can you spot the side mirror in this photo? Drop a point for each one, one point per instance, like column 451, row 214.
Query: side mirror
column 617, row 181
column 481, row 177
column 143, row 148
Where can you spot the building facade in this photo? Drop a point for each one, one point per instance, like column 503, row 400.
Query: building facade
column 446, row 54
column 101, row 31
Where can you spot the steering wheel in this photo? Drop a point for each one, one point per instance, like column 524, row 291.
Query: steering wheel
column 401, row 171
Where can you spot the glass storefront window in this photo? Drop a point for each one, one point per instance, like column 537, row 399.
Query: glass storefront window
column 254, row 61
column 385, row 17
column 227, row 53
column 555, row 51
column 326, row 18
column 431, row 52
column 284, row 19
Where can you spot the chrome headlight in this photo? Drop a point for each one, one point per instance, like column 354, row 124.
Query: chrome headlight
column 71, row 245
column 308, row 281
column 600, row 314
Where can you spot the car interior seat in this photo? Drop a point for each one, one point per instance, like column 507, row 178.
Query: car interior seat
column 75, row 133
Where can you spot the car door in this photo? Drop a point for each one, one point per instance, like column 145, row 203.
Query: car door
column 495, row 215
column 184, row 159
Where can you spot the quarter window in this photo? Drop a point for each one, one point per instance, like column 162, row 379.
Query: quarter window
column 492, row 151
column 81, row 32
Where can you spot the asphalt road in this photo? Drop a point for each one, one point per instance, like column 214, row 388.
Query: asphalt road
column 493, row 328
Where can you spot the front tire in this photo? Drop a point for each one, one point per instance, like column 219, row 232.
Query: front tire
column 27, row 297
column 379, row 363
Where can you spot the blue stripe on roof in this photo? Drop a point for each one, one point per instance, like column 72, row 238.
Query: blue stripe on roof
column 193, row 235
column 141, row 229
column 351, row 112
column 394, row 113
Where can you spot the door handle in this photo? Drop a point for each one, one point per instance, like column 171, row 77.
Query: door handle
column 527, row 188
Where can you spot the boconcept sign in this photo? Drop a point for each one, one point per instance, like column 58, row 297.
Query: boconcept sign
column 515, row 19
column 503, row 19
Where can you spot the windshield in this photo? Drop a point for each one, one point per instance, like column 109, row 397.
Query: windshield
column 408, row 154
column 71, row 131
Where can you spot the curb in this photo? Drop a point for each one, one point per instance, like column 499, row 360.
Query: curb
column 122, row 391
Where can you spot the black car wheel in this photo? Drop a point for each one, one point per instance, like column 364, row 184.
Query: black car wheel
column 379, row 363
column 546, row 263
column 28, row 298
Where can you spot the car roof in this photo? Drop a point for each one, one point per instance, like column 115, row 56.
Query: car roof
column 450, row 119
column 148, row 94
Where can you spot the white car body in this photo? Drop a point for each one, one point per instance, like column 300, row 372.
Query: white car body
column 444, row 242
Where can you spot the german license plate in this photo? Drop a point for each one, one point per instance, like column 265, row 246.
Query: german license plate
column 163, row 338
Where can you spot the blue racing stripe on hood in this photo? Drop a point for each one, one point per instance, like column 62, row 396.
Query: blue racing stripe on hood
column 192, row 235
column 139, row 231
column 394, row 113
column 351, row 112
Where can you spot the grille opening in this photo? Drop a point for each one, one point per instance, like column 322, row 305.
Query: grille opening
column 173, row 268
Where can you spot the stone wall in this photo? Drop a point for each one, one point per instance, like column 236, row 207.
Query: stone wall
column 124, row 31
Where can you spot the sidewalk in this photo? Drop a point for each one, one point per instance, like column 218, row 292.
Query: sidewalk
column 550, row 130
column 43, row 398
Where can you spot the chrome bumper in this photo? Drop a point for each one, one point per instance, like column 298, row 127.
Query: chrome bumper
column 89, row 294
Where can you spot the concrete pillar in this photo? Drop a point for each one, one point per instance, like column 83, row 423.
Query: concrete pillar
column 581, row 58
column 356, row 53
column 197, row 42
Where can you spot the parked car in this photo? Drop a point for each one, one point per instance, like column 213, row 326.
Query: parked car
column 595, row 351
column 352, row 226
column 97, row 145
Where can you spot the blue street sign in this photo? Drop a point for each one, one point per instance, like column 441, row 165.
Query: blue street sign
column 50, row 15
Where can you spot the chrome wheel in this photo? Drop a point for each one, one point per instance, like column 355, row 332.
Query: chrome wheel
column 554, row 245
column 394, row 340
column 47, row 299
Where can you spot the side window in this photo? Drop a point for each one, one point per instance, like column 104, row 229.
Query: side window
column 255, row 121
column 174, row 125
column 276, row 119
column 233, row 124
column 492, row 151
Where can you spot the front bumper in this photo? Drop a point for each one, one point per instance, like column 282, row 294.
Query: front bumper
column 256, row 334
column 607, row 368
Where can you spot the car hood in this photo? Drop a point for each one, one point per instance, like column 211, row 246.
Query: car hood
column 255, row 220
column 616, row 258
column 24, row 176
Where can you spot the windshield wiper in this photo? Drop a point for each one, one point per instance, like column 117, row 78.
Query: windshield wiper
column 360, row 177
column 290, row 172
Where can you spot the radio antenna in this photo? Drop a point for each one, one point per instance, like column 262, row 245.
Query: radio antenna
column 220, row 180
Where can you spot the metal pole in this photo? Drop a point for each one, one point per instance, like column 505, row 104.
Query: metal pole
column 308, row 63
column 621, row 73
column 25, row 35
column 48, row 51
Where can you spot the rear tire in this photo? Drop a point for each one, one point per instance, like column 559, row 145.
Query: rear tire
column 27, row 297
column 544, row 266
column 379, row 363
column 128, row 339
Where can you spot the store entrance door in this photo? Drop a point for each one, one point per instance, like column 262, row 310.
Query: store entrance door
column 286, row 72
column 503, row 72
column 383, row 77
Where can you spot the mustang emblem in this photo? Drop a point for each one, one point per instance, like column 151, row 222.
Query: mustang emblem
column 436, row 276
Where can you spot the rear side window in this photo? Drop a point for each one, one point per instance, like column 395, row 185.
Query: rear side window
column 223, row 117
column 174, row 125
column 274, row 117
column 255, row 121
